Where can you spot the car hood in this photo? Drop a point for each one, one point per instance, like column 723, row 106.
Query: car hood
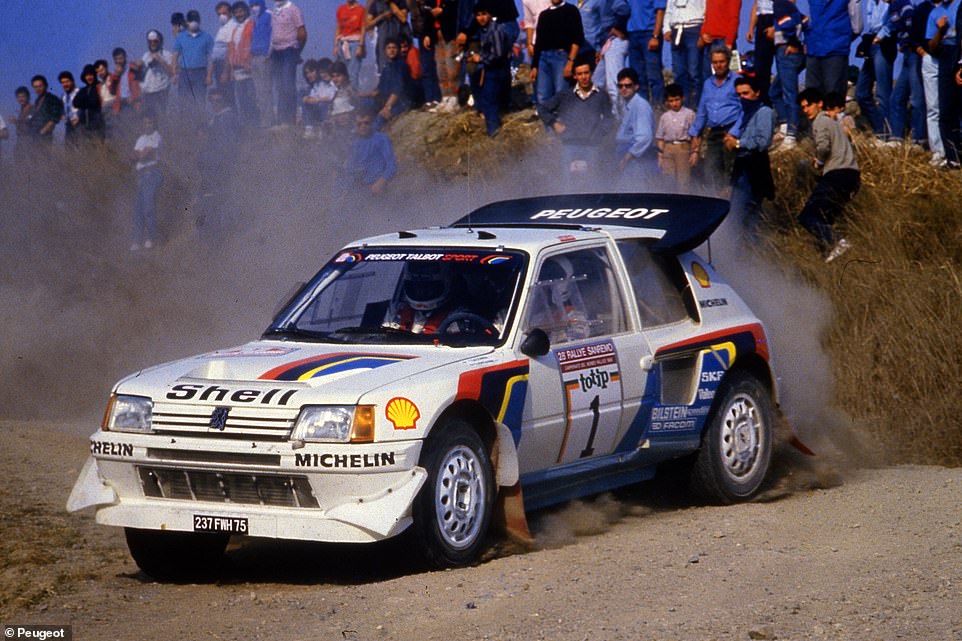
column 312, row 372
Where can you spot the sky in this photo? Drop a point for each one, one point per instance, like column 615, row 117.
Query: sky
column 48, row 36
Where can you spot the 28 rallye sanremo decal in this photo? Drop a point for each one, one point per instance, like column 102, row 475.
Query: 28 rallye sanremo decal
column 592, row 384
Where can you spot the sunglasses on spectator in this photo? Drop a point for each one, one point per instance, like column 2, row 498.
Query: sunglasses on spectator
column 625, row 85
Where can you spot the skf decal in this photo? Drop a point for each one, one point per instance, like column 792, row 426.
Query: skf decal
column 328, row 364
column 218, row 394
column 402, row 413
column 349, row 461
column 501, row 389
column 105, row 448
column 700, row 275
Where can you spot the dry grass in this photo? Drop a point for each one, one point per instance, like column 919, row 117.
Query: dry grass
column 897, row 295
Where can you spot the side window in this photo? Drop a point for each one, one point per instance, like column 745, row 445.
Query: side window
column 661, row 289
column 576, row 297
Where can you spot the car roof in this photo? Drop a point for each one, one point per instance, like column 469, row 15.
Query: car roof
column 676, row 223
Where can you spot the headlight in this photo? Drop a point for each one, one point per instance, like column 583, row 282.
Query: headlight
column 128, row 414
column 333, row 424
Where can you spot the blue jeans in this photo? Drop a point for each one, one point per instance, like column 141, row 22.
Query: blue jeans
column 950, row 107
column 930, row 82
column 354, row 63
column 876, row 72
column 686, row 64
column 827, row 73
column 149, row 181
column 647, row 64
column 429, row 74
column 786, row 97
column 247, row 101
column 908, row 88
column 284, row 72
column 490, row 96
column 550, row 79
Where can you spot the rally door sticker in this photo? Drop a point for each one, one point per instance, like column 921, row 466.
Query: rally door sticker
column 591, row 383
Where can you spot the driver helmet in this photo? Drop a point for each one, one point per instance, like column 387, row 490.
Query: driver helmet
column 426, row 285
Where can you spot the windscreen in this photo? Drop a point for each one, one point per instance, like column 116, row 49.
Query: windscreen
column 407, row 295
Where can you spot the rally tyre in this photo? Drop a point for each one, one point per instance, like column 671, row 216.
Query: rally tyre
column 452, row 512
column 736, row 447
column 176, row 556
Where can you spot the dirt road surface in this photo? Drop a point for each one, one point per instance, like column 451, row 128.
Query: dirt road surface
column 871, row 554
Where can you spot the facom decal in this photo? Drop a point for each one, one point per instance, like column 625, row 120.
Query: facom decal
column 402, row 413
column 350, row 461
column 218, row 394
column 700, row 275
column 602, row 212
column 677, row 417
column 106, row 448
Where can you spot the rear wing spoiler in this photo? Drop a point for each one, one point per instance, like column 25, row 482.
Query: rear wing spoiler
column 685, row 222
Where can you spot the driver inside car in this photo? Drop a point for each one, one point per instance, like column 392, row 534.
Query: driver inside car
column 427, row 298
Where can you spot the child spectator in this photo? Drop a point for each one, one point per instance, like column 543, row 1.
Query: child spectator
column 149, row 180
column 835, row 108
column 317, row 103
column 672, row 137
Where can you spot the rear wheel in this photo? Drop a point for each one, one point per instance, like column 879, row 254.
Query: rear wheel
column 176, row 556
column 452, row 512
column 737, row 445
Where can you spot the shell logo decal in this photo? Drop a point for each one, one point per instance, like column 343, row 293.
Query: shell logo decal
column 402, row 413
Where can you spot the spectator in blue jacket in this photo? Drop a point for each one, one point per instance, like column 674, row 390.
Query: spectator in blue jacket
column 645, row 25
column 634, row 142
column 827, row 43
column 371, row 163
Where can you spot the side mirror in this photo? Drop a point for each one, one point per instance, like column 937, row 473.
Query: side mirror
column 536, row 343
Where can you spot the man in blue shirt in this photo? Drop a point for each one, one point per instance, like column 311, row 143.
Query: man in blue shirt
column 644, row 46
column 634, row 142
column 718, row 113
column 192, row 63
column 372, row 163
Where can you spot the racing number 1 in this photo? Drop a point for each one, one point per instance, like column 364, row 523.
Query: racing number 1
column 595, row 415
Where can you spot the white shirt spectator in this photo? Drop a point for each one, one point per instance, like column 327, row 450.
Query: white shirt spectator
column 148, row 141
column 156, row 77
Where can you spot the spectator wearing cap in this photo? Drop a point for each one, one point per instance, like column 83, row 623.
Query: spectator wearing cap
column 192, row 69
column 288, row 37
column 261, row 61
column 155, row 70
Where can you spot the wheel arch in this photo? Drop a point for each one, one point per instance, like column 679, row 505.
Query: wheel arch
column 759, row 369
column 495, row 436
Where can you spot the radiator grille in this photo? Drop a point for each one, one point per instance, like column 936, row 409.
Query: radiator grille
column 259, row 424
column 227, row 487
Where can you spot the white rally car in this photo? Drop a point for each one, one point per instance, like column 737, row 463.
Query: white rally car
column 535, row 351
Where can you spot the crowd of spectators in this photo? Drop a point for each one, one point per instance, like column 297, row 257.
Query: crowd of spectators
column 593, row 71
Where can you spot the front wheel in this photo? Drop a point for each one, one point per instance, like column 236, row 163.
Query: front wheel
column 737, row 445
column 176, row 556
column 453, row 510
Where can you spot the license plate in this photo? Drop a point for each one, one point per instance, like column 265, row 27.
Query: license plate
column 227, row 524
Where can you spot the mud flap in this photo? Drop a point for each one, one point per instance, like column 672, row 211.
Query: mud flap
column 509, row 511
column 510, row 515
column 89, row 490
